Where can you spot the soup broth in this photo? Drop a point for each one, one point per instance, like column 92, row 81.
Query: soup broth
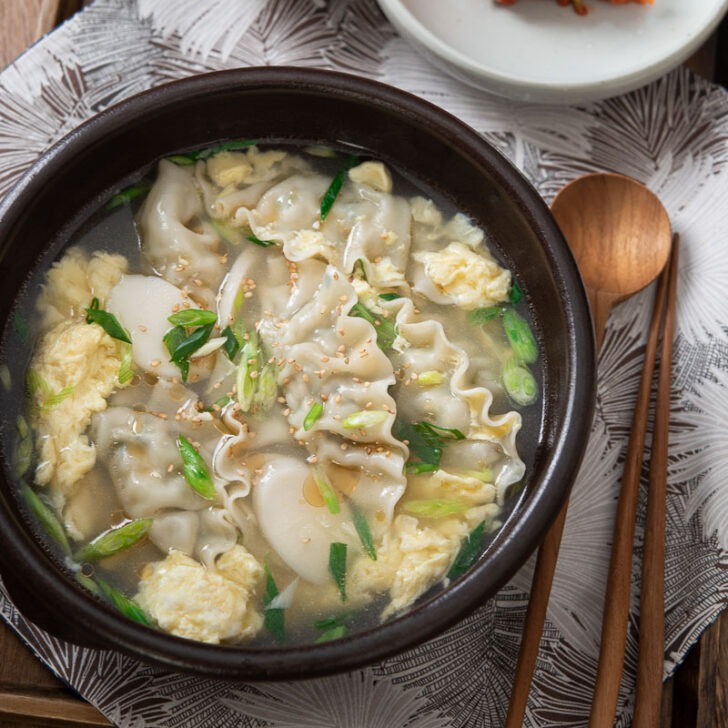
column 274, row 396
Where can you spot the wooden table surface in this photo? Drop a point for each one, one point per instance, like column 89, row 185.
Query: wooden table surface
column 696, row 697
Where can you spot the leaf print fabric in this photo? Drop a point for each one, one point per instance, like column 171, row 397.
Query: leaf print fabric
column 672, row 135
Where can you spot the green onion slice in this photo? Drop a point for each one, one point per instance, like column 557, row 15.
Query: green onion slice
column 195, row 469
column 435, row 507
column 46, row 517
column 128, row 607
column 273, row 619
column 325, row 489
column 227, row 146
column 386, row 332
column 469, row 551
column 23, row 453
column 362, row 528
column 479, row 316
column 426, row 441
column 337, row 566
column 317, row 409
column 126, row 368
column 520, row 336
column 364, row 418
column 185, row 347
column 257, row 241
column 127, row 195
column 333, row 633
column 519, row 382
column 107, row 321
column 232, row 344
column 192, row 317
column 114, row 540
column 327, row 201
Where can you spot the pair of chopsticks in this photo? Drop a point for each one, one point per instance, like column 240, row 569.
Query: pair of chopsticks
column 617, row 598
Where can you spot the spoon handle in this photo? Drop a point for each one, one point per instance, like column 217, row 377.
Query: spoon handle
column 617, row 599
column 651, row 659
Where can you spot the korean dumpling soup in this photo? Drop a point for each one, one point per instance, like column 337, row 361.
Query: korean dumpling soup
column 274, row 395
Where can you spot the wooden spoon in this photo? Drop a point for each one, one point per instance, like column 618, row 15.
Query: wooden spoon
column 619, row 233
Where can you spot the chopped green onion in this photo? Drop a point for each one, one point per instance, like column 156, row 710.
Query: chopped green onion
column 430, row 378
column 266, row 388
column 224, row 401
column 317, row 409
column 479, row 316
column 520, row 336
column 114, row 540
column 337, row 566
column 227, row 232
column 128, row 607
column 425, row 441
column 435, row 507
column 192, row 157
column 359, row 263
column 37, row 386
column 451, row 433
column 327, row 201
column 364, row 418
column 5, row 378
column 333, row 621
column 23, row 453
column 249, row 364
column 469, row 551
column 195, row 469
column 485, row 475
column 263, row 243
column 334, row 633
column 46, row 517
column 515, row 294
column 20, row 326
column 232, row 344
column 273, row 619
column 318, row 150
column 182, row 345
column 326, row 490
column 386, row 332
column 126, row 368
column 519, row 383
column 87, row 583
column 190, row 343
column 127, row 195
column 362, row 528
column 107, row 321
column 192, row 317
column 172, row 340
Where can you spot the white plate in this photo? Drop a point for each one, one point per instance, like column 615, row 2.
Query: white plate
column 536, row 50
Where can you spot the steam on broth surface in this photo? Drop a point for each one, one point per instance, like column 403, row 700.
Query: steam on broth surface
column 291, row 411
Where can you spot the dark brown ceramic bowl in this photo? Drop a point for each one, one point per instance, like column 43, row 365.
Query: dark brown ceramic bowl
column 293, row 105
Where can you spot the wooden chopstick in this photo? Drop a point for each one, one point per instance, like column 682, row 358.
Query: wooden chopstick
column 543, row 575
column 651, row 659
column 617, row 599
column 549, row 550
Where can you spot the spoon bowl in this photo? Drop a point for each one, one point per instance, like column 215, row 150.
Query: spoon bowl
column 619, row 233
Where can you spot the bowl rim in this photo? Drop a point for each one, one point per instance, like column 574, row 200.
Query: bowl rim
column 102, row 627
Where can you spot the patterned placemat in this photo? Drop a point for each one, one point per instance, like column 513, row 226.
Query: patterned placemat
column 672, row 135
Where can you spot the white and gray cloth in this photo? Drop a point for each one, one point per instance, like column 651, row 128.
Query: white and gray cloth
column 672, row 135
